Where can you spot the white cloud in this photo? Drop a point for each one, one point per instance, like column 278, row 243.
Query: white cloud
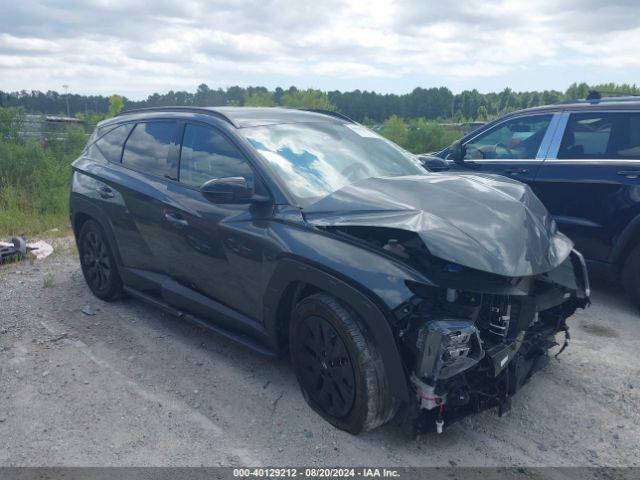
column 135, row 46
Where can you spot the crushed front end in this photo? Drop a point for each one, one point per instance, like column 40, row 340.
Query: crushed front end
column 473, row 344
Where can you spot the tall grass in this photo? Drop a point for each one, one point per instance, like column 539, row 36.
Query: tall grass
column 34, row 178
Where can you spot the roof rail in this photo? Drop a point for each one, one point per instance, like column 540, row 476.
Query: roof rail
column 205, row 110
column 597, row 96
column 331, row 113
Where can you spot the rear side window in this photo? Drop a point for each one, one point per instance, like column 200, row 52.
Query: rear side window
column 601, row 136
column 206, row 154
column 109, row 146
column 149, row 149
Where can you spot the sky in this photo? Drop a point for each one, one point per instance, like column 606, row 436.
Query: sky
column 137, row 47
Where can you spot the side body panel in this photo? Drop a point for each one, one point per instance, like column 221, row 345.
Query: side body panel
column 592, row 200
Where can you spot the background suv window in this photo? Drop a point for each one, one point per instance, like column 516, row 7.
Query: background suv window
column 601, row 136
column 519, row 138
column 109, row 146
column 148, row 148
column 207, row 154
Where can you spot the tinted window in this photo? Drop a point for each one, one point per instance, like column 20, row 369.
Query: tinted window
column 207, row 154
column 601, row 136
column 148, row 148
column 315, row 159
column 109, row 146
column 519, row 138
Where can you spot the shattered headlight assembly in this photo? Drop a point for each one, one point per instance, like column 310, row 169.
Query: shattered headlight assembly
column 447, row 347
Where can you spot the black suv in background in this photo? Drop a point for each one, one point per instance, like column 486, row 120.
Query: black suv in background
column 582, row 160
column 306, row 234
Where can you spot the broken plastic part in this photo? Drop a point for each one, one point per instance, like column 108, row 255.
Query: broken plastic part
column 440, row 420
column 17, row 247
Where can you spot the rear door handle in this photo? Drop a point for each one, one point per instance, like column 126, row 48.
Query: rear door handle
column 515, row 171
column 629, row 173
column 105, row 192
column 176, row 220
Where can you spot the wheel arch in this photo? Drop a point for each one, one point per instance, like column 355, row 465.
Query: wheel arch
column 294, row 279
column 625, row 242
column 82, row 211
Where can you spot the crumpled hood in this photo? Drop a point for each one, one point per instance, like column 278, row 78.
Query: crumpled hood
column 485, row 222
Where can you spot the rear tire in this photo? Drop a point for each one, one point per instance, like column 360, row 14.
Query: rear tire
column 98, row 263
column 339, row 369
column 631, row 275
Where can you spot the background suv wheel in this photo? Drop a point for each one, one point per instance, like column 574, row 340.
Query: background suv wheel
column 97, row 262
column 339, row 369
column 631, row 275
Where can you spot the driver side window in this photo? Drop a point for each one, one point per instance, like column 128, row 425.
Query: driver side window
column 207, row 154
column 519, row 138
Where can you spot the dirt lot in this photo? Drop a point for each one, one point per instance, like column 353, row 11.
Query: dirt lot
column 132, row 386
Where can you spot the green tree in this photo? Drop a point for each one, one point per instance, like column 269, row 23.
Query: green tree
column 395, row 129
column 115, row 105
column 482, row 113
column 11, row 120
column 259, row 99
column 426, row 136
column 307, row 99
column 577, row 91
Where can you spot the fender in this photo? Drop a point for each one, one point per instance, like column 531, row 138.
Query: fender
column 80, row 205
column 290, row 270
column 631, row 231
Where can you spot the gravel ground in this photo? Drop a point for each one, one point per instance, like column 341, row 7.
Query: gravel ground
column 133, row 386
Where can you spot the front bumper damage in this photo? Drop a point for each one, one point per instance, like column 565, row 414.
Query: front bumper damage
column 472, row 351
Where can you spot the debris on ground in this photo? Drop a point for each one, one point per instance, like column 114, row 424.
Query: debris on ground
column 18, row 247
column 40, row 249
column 89, row 310
column 50, row 339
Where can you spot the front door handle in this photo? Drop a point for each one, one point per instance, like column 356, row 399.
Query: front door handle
column 629, row 173
column 105, row 192
column 176, row 220
column 515, row 171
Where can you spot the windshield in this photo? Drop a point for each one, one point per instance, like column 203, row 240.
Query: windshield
column 316, row 159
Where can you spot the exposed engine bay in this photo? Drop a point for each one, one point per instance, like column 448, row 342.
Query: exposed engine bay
column 473, row 339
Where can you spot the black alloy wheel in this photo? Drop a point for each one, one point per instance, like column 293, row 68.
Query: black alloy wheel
column 327, row 372
column 338, row 367
column 98, row 265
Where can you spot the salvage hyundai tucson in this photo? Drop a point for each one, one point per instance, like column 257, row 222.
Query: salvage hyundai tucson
column 303, row 233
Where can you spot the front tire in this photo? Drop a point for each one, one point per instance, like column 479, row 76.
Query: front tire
column 339, row 369
column 98, row 264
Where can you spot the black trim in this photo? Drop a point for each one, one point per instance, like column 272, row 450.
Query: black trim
column 329, row 113
column 204, row 110
column 238, row 338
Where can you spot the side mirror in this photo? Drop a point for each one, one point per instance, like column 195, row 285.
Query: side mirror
column 433, row 163
column 456, row 151
column 230, row 190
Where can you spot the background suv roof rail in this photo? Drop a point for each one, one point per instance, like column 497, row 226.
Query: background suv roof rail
column 597, row 96
column 205, row 110
column 331, row 113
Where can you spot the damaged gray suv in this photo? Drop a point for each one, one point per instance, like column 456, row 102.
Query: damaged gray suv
column 396, row 292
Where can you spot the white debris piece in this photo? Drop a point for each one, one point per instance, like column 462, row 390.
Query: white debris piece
column 41, row 249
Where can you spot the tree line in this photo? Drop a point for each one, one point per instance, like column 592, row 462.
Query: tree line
column 439, row 103
column 35, row 175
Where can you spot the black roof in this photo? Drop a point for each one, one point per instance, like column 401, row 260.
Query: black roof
column 606, row 103
column 241, row 117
